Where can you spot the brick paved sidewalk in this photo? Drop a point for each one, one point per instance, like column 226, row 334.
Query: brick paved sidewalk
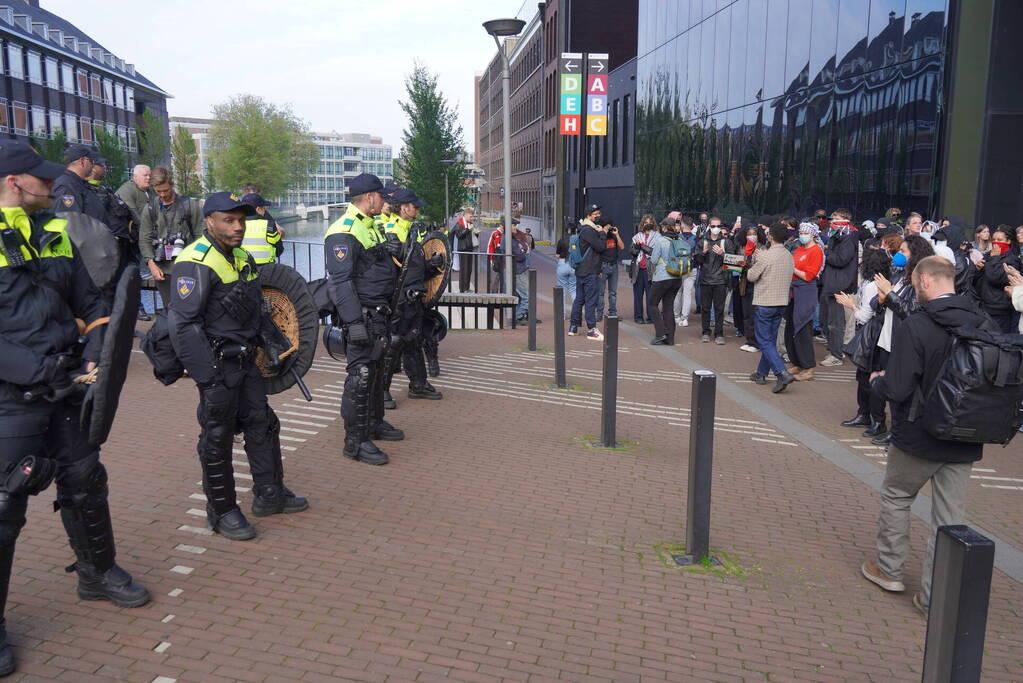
column 496, row 545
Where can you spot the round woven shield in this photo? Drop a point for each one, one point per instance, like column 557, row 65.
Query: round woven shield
column 436, row 243
column 286, row 300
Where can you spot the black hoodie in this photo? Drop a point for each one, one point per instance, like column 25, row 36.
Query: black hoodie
column 966, row 271
column 919, row 347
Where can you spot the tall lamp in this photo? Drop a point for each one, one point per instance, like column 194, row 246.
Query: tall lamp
column 506, row 28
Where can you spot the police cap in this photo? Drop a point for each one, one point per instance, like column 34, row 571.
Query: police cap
column 100, row 161
column 18, row 157
column 390, row 192
column 255, row 200
column 226, row 201
column 75, row 152
column 405, row 196
column 363, row 183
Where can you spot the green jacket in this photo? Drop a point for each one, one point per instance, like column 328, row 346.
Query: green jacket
column 135, row 197
column 182, row 217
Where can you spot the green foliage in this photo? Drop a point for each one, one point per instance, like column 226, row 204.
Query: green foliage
column 117, row 161
column 184, row 159
column 51, row 149
column 255, row 141
column 432, row 134
column 152, row 131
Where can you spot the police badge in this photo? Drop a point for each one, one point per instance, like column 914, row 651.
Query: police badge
column 186, row 285
column 68, row 200
column 340, row 252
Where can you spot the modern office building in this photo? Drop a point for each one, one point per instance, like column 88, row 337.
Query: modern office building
column 58, row 79
column 342, row 156
column 762, row 106
column 200, row 132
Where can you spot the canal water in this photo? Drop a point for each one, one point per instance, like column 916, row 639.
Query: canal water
column 303, row 247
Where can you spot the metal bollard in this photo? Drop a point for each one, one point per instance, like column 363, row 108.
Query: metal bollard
column 701, row 460
column 559, row 338
column 957, row 619
column 531, row 309
column 609, row 384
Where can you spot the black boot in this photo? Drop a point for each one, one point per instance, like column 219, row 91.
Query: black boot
column 389, row 402
column 232, row 525
column 7, row 665
column 876, row 428
column 861, row 420
column 114, row 584
column 12, row 518
column 424, row 390
column 882, row 439
column 274, row 499
column 784, row 380
column 433, row 366
column 86, row 517
column 365, row 451
column 385, row 431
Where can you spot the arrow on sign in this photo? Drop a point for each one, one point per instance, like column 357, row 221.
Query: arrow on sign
column 570, row 65
column 599, row 66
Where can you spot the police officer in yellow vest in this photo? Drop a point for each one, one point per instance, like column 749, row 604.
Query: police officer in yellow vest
column 409, row 323
column 362, row 274
column 262, row 236
column 45, row 288
column 214, row 319
column 388, row 212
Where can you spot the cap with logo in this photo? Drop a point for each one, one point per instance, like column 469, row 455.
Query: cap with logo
column 363, row 183
column 18, row 157
column 226, row 201
column 390, row 191
column 75, row 152
column 591, row 208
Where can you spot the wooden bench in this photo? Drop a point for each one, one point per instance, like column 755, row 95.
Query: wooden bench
column 492, row 303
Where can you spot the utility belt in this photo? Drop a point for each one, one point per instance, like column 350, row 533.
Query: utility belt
column 232, row 351
column 381, row 312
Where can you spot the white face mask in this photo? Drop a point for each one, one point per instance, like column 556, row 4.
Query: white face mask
column 714, row 231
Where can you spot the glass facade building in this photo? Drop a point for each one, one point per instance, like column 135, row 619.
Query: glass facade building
column 765, row 106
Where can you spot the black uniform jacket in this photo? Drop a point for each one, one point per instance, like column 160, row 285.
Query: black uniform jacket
column 71, row 193
column 358, row 275
column 198, row 318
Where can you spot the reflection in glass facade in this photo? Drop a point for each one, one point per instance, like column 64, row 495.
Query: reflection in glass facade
column 763, row 106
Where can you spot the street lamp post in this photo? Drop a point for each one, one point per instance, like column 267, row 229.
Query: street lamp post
column 506, row 28
column 446, row 163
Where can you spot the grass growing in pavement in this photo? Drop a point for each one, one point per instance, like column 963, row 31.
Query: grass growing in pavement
column 624, row 446
column 728, row 567
column 539, row 349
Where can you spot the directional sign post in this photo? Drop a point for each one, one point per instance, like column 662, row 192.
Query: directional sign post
column 584, row 92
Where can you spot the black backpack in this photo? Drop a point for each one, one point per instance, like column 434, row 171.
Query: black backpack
column 160, row 351
column 977, row 393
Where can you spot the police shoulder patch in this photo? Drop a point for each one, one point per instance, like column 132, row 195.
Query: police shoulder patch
column 340, row 251
column 348, row 221
column 68, row 200
column 186, row 285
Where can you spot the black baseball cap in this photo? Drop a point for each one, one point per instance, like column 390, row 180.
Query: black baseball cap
column 18, row 157
column 100, row 161
column 75, row 152
column 363, row 183
column 255, row 199
column 226, row 201
column 390, row 191
column 591, row 208
column 405, row 196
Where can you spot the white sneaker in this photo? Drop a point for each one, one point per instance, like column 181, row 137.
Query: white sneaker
column 832, row 362
column 685, row 322
column 594, row 334
column 749, row 348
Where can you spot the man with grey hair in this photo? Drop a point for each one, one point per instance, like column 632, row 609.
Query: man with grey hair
column 137, row 194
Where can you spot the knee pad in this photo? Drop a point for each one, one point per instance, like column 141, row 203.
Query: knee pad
column 262, row 427
column 12, row 516
column 86, row 484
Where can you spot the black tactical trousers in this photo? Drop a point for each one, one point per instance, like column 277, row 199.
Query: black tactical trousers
column 51, row 430
column 430, row 342
column 246, row 411
column 362, row 404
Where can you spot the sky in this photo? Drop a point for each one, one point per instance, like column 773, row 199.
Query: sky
column 340, row 64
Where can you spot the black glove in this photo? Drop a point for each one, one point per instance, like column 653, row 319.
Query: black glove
column 216, row 400
column 435, row 261
column 394, row 248
column 646, row 249
column 358, row 334
column 30, row 476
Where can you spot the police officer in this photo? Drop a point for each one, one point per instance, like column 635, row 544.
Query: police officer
column 388, row 212
column 71, row 191
column 362, row 271
column 169, row 222
column 409, row 323
column 214, row 321
column 262, row 236
column 45, row 288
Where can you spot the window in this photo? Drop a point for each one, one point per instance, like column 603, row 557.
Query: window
column 56, row 122
column 52, row 74
column 96, row 88
column 83, row 82
column 351, row 152
column 85, row 129
column 35, row 67
column 108, row 91
column 119, row 95
column 14, row 63
column 129, row 98
column 5, row 124
column 132, row 141
column 111, row 128
column 122, row 135
column 67, row 78
column 625, row 128
column 20, row 118
column 38, row 121
column 71, row 127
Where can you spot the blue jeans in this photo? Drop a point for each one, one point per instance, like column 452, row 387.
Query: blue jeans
column 607, row 280
column 586, row 295
column 566, row 278
column 640, row 288
column 766, row 321
column 522, row 291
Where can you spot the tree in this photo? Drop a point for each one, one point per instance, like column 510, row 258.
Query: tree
column 51, row 149
column 152, row 131
column 432, row 135
column 255, row 141
column 117, row 161
column 185, row 159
